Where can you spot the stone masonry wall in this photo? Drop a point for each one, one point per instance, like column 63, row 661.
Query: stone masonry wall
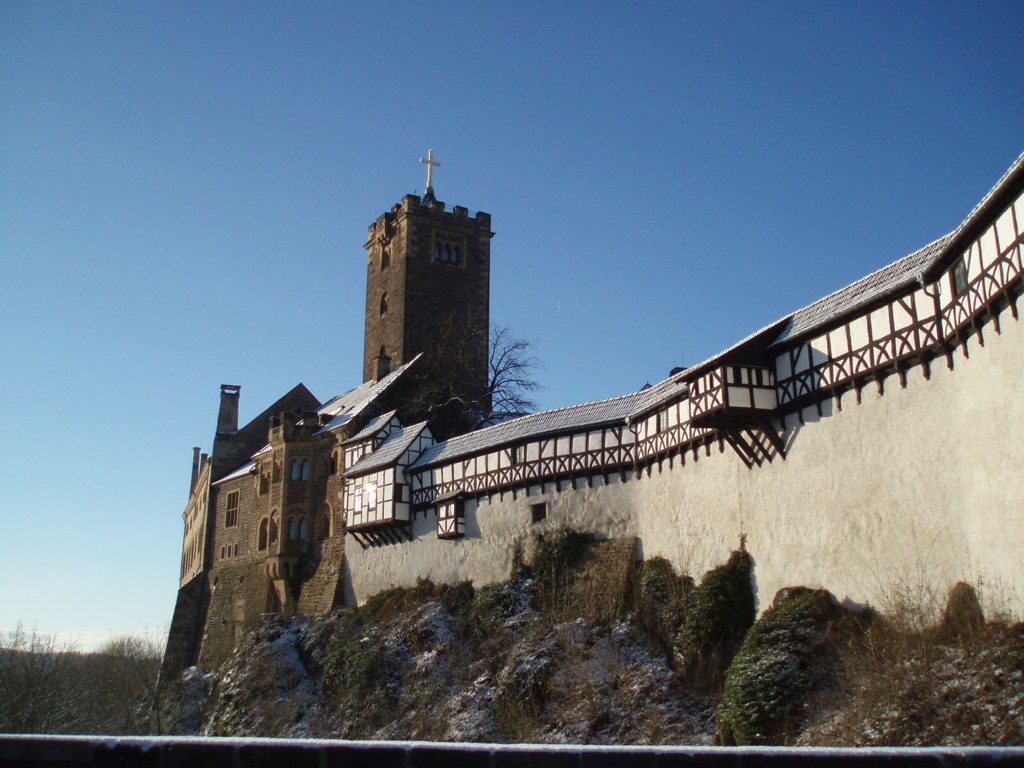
column 239, row 595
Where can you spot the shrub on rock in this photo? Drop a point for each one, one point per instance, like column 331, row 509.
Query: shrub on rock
column 718, row 614
column 784, row 659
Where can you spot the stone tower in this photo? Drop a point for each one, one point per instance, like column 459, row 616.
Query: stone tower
column 427, row 290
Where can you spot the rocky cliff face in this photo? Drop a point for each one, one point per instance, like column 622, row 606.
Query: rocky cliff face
column 525, row 661
column 417, row 675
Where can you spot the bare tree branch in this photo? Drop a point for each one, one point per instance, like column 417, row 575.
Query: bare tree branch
column 449, row 388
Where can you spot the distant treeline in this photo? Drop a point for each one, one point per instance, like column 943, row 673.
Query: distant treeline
column 46, row 686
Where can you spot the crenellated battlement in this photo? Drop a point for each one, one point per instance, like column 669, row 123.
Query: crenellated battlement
column 437, row 210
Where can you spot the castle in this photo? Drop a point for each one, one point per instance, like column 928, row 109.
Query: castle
column 869, row 439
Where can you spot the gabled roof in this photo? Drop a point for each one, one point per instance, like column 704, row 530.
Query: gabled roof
column 342, row 408
column 373, row 426
column 389, row 451
column 560, row 420
column 242, row 471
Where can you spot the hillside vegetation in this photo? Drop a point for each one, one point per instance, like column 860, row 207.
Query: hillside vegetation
column 555, row 654
column 577, row 646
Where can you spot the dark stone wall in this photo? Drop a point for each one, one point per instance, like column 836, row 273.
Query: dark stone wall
column 239, row 596
column 424, row 293
column 186, row 627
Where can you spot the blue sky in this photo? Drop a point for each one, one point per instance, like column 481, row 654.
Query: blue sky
column 185, row 190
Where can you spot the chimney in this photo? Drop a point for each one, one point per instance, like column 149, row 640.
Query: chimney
column 195, row 469
column 383, row 365
column 227, row 419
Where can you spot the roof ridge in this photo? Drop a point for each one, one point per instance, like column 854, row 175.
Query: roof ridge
column 869, row 275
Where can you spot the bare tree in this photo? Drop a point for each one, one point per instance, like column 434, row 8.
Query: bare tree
column 511, row 373
column 46, row 686
column 126, row 697
column 451, row 391
column 41, row 684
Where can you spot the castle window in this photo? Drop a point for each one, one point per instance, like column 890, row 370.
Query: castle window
column 661, row 424
column 302, row 529
column 273, row 528
column 538, row 512
column 305, row 469
column 517, row 455
column 231, row 513
column 334, row 463
column 261, row 540
column 293, row 529
column 447, row 252
column 383, row 305
column 323, row 523
column 959, row 277
column 371, row 496
column 385, row 258
column 295, row 469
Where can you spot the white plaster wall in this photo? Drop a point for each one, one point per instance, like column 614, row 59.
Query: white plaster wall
column 921, row 485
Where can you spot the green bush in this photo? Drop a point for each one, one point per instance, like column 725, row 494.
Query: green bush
column 783, row 660
column 718, row 614
column 356, row 673
column 458, row 599
column 660, row 599
column 395, row 601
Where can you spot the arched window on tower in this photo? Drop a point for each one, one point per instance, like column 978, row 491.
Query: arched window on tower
column 261, row 539
column 302, row 529
column 296, row 469
column 293, row 529
column 273, row 528
column 383, row 305
column 323, row 523
column 447, row 252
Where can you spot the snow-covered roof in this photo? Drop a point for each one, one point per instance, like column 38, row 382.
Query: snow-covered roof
column 342, row 408
column 242, row 471
column 389, row 451
column 560, row 420
column 889, row 279
column 373, row 426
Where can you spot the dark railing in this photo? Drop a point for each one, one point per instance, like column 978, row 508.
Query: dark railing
column 177, row 752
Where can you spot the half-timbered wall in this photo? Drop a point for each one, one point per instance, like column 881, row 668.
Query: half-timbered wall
column 920, row 325
column 917, row 481
column 913, row 486
column 380, row 497
column 371, row 499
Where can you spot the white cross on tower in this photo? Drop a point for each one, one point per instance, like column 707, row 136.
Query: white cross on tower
column 431, row 165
